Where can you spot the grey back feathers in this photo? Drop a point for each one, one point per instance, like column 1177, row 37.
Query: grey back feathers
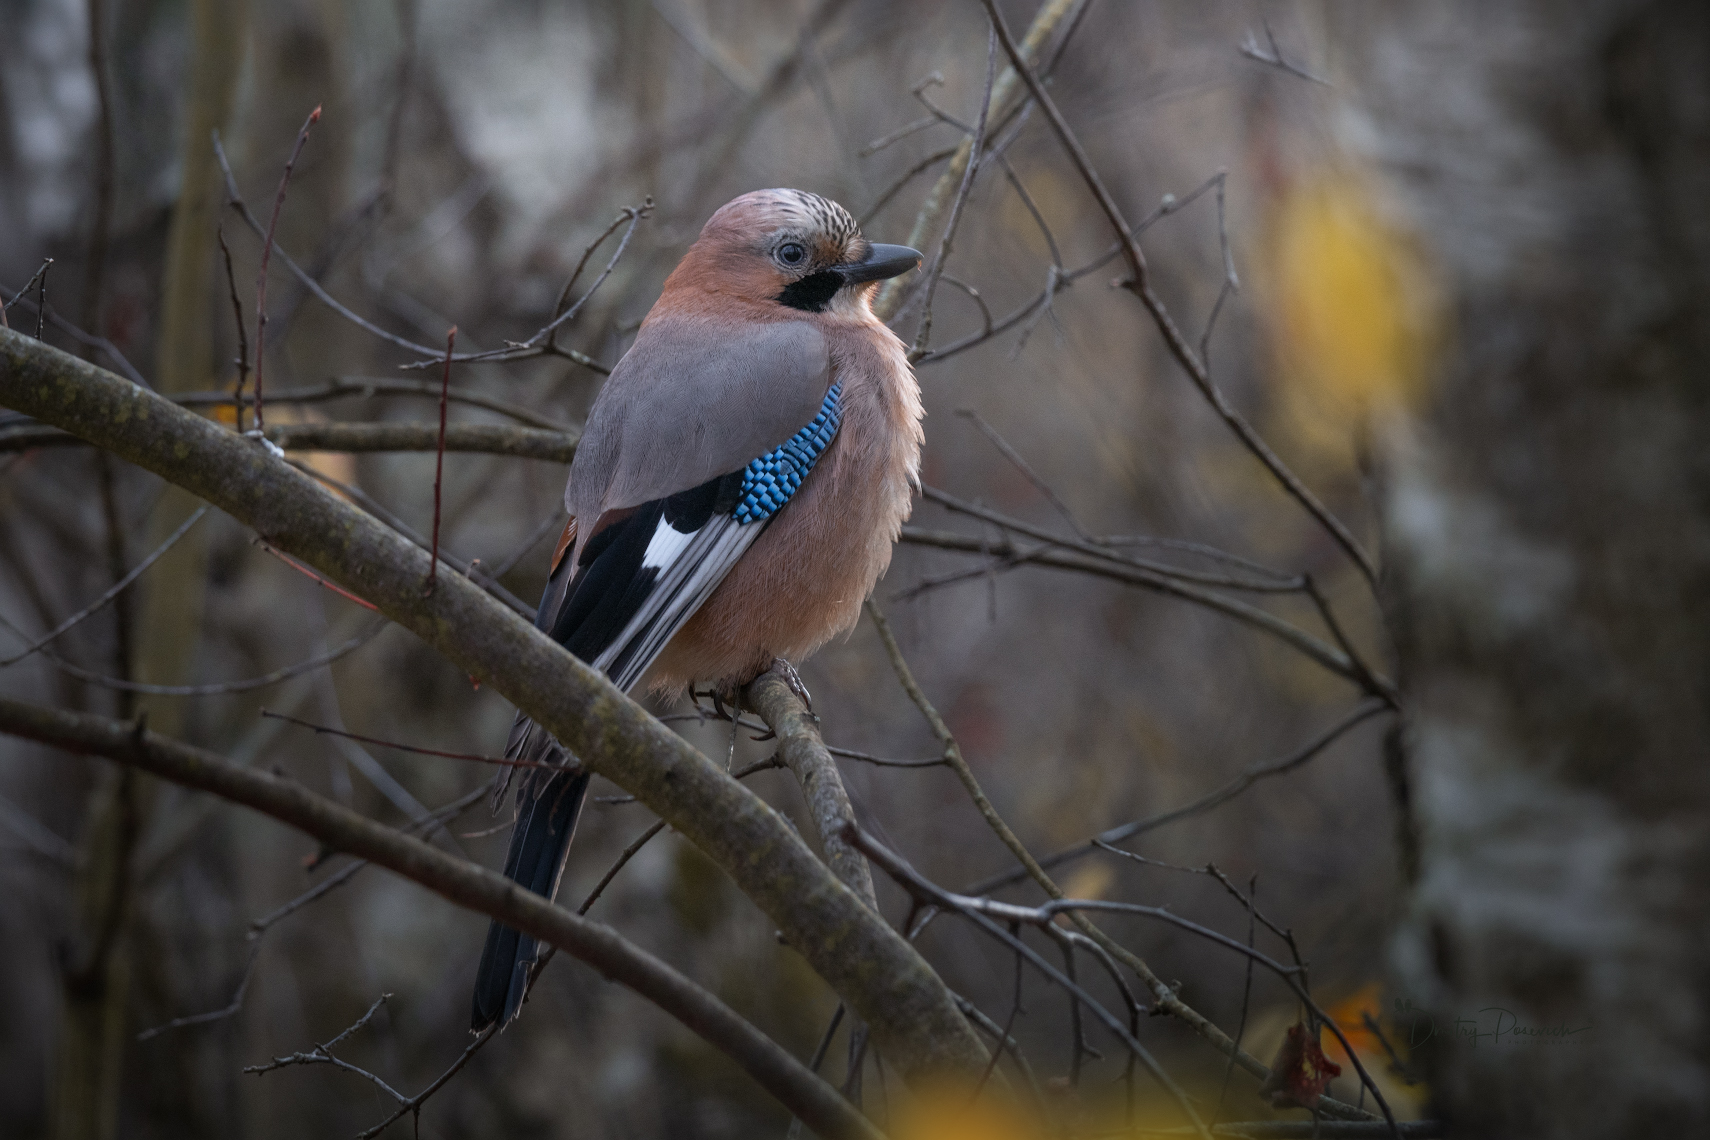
column 692, row 400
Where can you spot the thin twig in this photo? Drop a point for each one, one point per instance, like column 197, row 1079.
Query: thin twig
column 630, row 214
column 243, row 337
column 1250, row 48
column 218, row 688
column 439, row 460
column 41, row 296
column 936, row 269
column 908, row 176
column 41, row 271
column 897, row 135
column 113, row 591
column 320, row 294
column 86, row 339
column 364, row 387
column 979, row 912
column 1361, row 713
column 311, row 574
column 1021, row 465
column 544, row 342
column 988, row 914
column 266, row 256
column 474, row 758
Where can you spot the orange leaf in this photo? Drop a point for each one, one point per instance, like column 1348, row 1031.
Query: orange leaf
column 1300, row 1072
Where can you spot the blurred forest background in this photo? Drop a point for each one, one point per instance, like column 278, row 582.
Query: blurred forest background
column 467, row 154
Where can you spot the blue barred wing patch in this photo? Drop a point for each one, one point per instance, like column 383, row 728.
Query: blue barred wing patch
column 769, row 481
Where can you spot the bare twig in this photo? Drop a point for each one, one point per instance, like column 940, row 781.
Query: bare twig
column 924, row 333
column 908, row 176
column 1105, row 552
column 1045, row 23
column 230, row 1009
column 243, row 337
column 897, row 135
column 1166, row 998
column 545, row 341
column 87, row 339
column 413, row 1105
column 1021, row 465
column 474, row 758
column 323, row 1055
column 1328, row 656
column 988, row 914
column 364, row 387
column 1055, row 280
column 112, row 592
column 979, row 912
column 320, row 294
column 266, row 256
column 317, row 578
column 41, row 295
column 215, row 689
column 1274, row 57
column 560, row 314
column 1361, row 713
column 439, row 459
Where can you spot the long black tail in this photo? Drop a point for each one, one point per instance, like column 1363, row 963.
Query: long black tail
column 546, row 819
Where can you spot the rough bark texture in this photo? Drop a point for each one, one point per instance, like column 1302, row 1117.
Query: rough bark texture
column 804, row 752
column 1549, row 538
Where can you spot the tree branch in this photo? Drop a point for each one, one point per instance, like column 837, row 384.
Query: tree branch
column 805, row 754
column 490, row 439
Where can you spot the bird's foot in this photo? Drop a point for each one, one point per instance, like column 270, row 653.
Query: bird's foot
column 719, row 698
column 794, row 680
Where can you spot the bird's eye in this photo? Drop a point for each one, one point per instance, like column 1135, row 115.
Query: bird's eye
column 791, row 254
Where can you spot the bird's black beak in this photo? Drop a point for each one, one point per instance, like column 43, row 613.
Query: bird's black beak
column 882, row 261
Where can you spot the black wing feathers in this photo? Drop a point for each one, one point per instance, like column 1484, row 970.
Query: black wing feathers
column 586, row 608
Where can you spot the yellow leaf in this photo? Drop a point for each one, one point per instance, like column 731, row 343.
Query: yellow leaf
column 1352, row 311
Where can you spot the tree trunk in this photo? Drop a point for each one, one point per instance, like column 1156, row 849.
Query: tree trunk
column 1548, row 527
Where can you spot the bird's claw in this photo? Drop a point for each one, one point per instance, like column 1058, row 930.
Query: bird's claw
column 794, row 680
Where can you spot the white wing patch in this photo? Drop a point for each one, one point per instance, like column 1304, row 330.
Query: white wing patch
column 666, row 544
column 690, row 568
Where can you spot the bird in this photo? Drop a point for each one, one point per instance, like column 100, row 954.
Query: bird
column 740, row 481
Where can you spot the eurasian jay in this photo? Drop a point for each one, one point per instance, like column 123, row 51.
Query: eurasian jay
column 739, row 484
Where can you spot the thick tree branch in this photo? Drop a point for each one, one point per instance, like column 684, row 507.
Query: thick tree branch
column 805, row 754
column 465, row 883
column 885, row 981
